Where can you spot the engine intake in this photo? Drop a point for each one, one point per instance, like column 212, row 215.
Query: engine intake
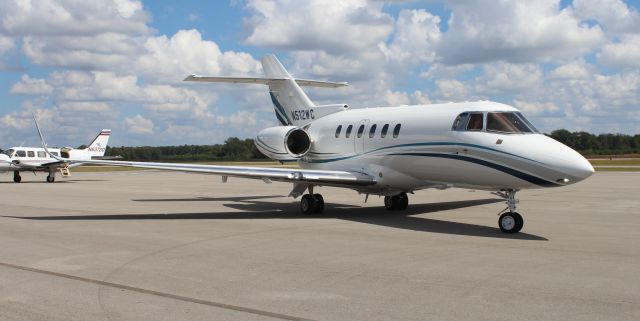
column 283, row 142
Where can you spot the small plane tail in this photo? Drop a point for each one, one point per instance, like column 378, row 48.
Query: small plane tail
column 291, row 105
column 99, row 144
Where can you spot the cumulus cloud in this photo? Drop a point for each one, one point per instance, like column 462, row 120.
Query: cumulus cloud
column 415, row 37
column 481, row 31
column 614, row 15
column 625, row 53
column 31, row 86
column 336, row 27
column 138, row 125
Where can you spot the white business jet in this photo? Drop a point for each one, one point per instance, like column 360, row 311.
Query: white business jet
column 393, row 151
column 36, row 159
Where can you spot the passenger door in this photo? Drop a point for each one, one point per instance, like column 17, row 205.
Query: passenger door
column 360, row 136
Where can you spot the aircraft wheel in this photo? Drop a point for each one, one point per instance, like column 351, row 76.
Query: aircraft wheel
column 16, row 177
column 306, row 204
column 402, row 201
column 510, row 222
column 389, row 203
column 51, row 179
column 318, row 203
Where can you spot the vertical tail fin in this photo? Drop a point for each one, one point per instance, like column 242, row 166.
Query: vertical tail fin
column 291, row 104
column 99, row 144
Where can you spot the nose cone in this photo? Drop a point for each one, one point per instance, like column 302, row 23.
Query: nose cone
column 569, row 162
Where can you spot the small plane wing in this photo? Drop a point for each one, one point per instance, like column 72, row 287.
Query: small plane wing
column 293, row 175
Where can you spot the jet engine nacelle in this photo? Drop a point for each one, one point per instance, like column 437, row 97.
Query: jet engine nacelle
column 283, row 142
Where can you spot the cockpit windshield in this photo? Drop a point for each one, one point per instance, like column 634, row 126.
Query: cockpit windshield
column 8, row 152
column 507, row 122
column 502, row 122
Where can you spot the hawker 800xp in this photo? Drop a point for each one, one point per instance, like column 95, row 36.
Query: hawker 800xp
column 393, row 151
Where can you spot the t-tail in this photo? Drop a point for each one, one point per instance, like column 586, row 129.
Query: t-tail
column 291, row 105
column 99, row 144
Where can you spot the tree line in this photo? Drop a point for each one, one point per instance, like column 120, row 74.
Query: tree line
column 235, row 149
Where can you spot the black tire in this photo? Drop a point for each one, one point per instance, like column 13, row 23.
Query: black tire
column 402, row 201
column 51, row 179
column 16, row 177
column 318, row 203
column 510, row 222
column 389, row 203
column 306, row 204
column 519, row 221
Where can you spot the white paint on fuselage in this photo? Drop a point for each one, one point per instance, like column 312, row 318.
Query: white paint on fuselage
column 428, row 153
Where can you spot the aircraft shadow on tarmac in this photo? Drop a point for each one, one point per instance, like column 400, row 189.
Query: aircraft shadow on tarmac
column 253, row 207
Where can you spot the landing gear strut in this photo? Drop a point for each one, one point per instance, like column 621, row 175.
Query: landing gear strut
column 311, row 203
column 16, row 177
column 511, row 221
column 396, row 202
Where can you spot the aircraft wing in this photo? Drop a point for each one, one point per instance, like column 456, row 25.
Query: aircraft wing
column 293, row 175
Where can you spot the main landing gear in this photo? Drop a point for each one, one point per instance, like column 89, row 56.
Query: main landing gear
column 51, row 178
column 311, row 203
column 511, row 221
column 16, row 177
column 397, row 202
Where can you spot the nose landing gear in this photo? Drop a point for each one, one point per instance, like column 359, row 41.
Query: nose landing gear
column 511, row 221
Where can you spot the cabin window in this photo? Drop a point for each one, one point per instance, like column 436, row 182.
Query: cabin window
column 383, row 132
column 348, row 133
column 55, row 154
column 42, row 154
column 21, row 153
column 396, row 131
column 372, row 130
column 476, row 121
column 360, row 131
column 506, row 122
column 30, row 153
column 338, row 131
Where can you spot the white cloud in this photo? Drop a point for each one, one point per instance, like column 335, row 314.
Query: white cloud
column 85, row 106
column 625, row 53
column 534, row 108
column 415, row 38
column 396, row 98
column 614, row 15
column 573, row 70
column 515, row 31
column 452, row 89
column 138, row 125
column 6, row 44
column 331, row 26
column 502, row 77
column 31, row 86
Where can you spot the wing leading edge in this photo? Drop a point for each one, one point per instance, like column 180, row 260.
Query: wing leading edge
column 293, row 175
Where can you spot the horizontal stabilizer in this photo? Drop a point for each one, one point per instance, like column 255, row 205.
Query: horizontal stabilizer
column 265, row 81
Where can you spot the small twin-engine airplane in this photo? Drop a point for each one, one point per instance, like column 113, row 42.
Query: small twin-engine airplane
column 393, row 151
column 34, row 159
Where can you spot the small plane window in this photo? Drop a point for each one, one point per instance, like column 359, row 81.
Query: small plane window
column 475, row 122
column 9, row 152
column 55, row 154
column 30, row 153
column 396, row 131
column 42, row 154
column 348, row 133
column 338, row 131
column 506, row 122
column 383, row 133
column 372, row 131
column 360, row 131
column 21, row 153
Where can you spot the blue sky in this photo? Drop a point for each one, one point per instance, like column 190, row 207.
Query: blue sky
column 119, row 63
